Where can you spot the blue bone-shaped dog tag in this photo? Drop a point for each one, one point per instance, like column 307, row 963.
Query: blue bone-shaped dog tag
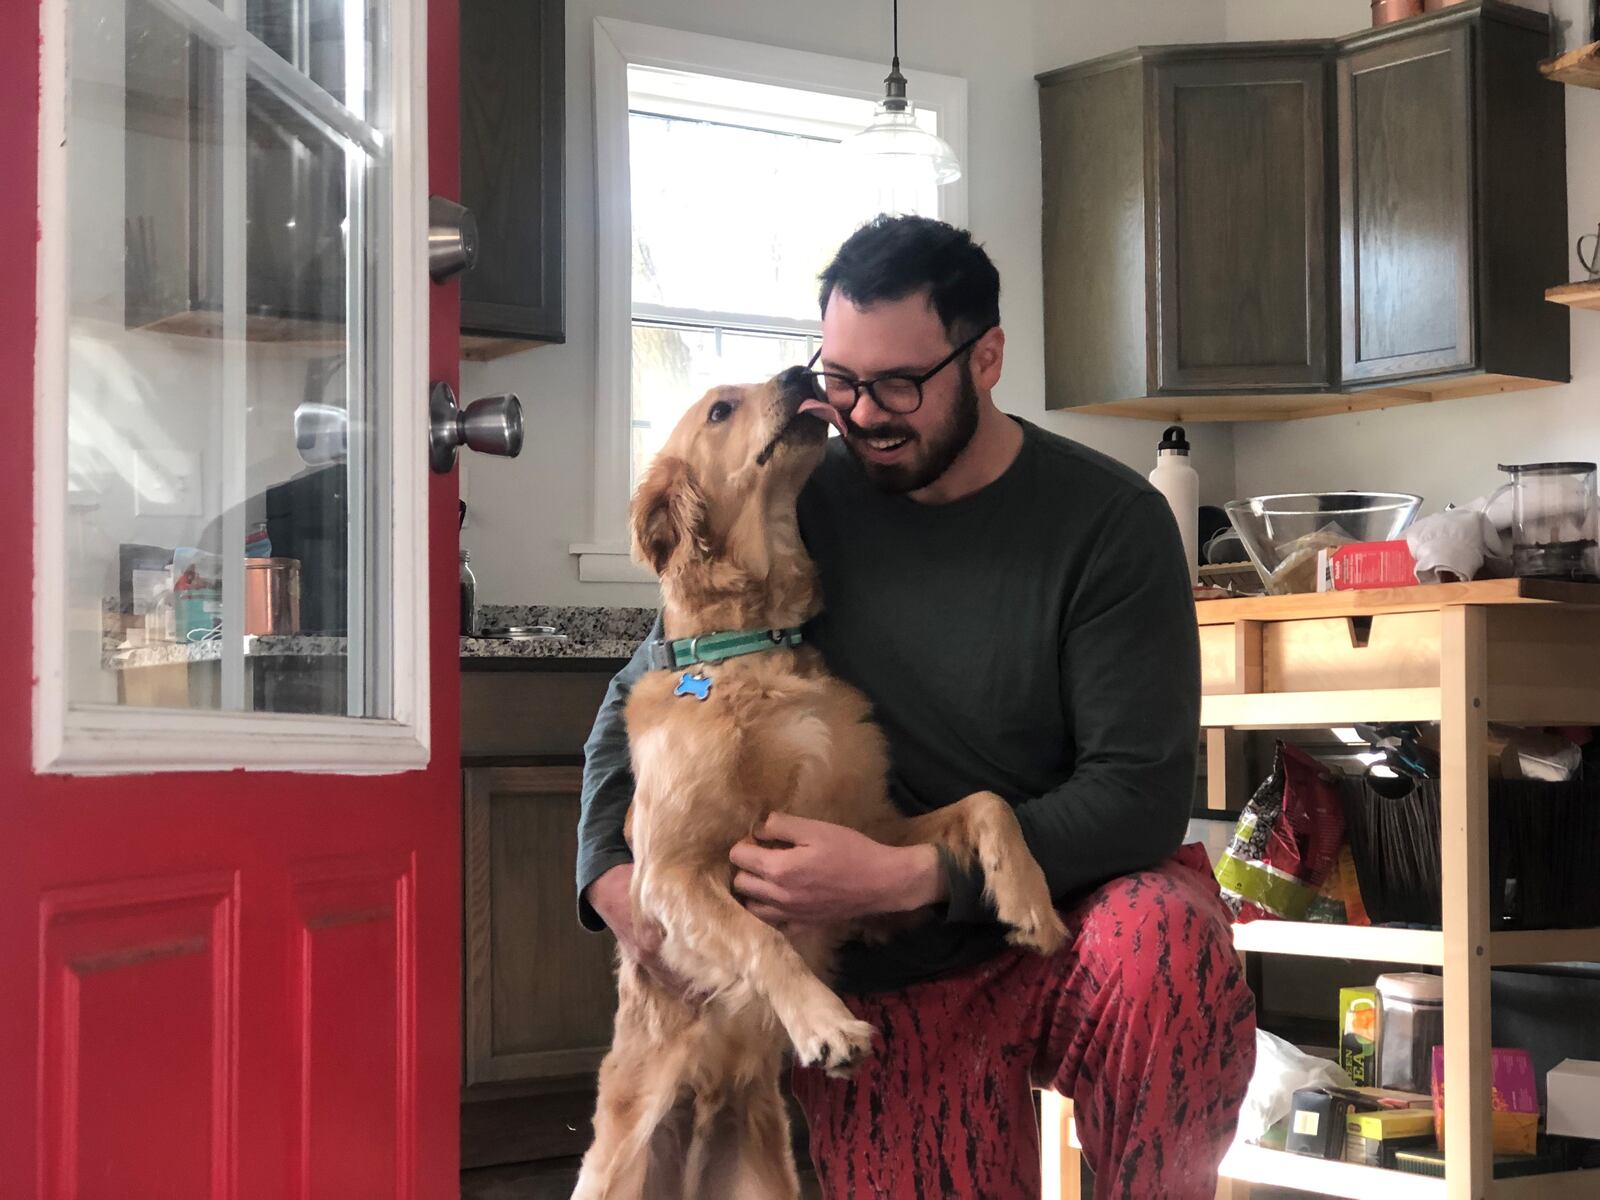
column 698, row 686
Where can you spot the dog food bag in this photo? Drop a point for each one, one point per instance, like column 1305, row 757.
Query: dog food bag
column 1286, row 843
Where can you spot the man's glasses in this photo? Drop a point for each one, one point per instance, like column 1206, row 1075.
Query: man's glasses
column 900, row 394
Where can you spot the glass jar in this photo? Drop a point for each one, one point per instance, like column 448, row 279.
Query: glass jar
column 1555, row 520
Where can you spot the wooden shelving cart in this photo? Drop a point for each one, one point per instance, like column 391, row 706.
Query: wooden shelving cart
column 1516, row 652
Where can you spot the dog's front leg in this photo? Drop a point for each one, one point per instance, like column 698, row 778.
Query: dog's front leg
column 712, row 940
column 984, row 826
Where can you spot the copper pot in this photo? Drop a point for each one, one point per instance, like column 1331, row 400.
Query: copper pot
column 1436, row 5
column 271, row 595
column 1386, row 11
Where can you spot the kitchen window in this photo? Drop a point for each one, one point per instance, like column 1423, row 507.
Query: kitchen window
column 722, row 194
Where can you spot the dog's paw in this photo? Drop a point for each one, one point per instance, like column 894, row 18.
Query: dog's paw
column 837, row 1047
column 1038, row 929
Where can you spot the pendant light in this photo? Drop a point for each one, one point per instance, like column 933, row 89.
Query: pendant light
column 894, row 137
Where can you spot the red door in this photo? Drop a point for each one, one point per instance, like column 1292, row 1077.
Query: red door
column 226, row 983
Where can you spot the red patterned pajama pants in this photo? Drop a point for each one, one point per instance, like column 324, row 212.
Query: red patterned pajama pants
column 1143, row 1019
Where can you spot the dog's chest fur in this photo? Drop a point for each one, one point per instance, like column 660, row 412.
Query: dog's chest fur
column 776, row 733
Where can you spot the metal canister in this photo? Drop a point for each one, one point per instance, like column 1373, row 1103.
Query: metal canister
column 1386, row 11
column 271, row 595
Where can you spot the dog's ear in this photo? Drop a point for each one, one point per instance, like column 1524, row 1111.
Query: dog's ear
column 669, row 513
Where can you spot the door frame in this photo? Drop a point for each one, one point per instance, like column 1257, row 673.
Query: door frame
column 114, row 740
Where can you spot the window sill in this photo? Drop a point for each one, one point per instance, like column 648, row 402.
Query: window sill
column 601, row 562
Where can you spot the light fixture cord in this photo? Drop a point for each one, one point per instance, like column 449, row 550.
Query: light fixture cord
column 896, row 28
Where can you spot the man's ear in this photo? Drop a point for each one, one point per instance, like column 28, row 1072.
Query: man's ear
column 669, row 514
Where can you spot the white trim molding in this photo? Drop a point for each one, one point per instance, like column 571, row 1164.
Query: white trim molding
column 617, row 46
column 108, row 739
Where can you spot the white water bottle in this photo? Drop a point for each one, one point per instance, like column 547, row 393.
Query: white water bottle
column 1175, row 479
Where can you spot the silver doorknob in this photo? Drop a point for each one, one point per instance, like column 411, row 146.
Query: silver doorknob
column 492, row 425
column 452, row 238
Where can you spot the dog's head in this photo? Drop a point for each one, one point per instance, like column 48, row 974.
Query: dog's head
column 717, row 504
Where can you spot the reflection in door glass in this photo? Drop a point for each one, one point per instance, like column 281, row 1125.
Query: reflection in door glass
column 226, row 494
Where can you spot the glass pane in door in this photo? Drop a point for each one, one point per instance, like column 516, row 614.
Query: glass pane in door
column 227, row 505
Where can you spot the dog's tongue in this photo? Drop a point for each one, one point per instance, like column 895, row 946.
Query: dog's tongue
column 821, row 408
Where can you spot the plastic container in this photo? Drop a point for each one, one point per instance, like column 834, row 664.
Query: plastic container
column 1410, row 1025
column 1175, row 479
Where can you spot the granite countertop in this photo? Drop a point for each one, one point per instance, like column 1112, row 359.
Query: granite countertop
column 605, row 634
column 602, row 636
column 162, row 654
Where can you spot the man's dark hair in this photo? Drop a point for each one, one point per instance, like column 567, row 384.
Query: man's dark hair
column 890, row 258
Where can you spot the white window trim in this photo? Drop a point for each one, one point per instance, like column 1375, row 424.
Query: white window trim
column 106, row 739
column 617, row 45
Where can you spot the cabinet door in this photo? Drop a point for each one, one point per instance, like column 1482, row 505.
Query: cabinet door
column 540, row 993
column 1091, row 131
column 1405, row 206
column 513, row 113
column 1241, row 224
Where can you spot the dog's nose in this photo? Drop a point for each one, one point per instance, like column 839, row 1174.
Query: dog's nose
column 796, row 384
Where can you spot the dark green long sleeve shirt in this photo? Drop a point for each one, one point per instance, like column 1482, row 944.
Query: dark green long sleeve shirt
column 1036, row 639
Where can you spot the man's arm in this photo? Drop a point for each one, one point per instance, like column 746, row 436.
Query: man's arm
column 1130, row 686
column 607, row 784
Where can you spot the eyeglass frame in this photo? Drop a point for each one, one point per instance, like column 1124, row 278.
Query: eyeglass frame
column 819, row 385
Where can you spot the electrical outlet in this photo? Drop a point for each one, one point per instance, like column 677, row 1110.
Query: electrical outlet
column 166, row 483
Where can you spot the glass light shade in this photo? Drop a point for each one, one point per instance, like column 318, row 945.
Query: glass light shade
column 894, row 134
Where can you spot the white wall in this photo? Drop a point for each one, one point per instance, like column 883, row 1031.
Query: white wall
column 525, row 513
column 1448, row 451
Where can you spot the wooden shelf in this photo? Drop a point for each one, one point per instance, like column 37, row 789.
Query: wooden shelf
column 1558, row 1185
column 1296, row 1172
column 1308, row 939
column 1422, row 598
column 1319, row 710
column 484, row 347
column 1529, row 947
column 1580, row 67
column 289, row 331
column 1576, row 295
column 1294, row 406
column 1424, row 947
column 1278, row 1168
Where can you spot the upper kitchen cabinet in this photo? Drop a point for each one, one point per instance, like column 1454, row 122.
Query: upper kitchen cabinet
column 1186, row 226
column 1240, row 238
column 513, row 116
column 1452, row 205
column 1269, row 230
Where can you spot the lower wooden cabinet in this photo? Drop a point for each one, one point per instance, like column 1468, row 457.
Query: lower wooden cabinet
column 539, row 990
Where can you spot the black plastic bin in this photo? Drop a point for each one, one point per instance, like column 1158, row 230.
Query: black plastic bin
column 1544, row 853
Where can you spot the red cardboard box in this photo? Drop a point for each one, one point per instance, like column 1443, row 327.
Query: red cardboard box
column 1362, row 565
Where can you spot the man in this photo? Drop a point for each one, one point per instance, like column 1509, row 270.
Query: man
column 1017, row 608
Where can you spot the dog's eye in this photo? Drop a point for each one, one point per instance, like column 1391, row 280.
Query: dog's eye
column 720, row 411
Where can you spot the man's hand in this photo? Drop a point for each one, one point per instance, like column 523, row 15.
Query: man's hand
column 609, row 897
column 830, row 873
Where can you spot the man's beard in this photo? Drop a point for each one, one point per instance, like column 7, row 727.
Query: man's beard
column 938, row 450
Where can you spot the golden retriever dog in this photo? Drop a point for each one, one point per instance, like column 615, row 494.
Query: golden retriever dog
column 689, row 1102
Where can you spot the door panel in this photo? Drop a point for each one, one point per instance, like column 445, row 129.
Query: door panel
column 1242, row 224
column 238, row 986
column 355, row 993
column 138, row 999
column 1405, row 163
